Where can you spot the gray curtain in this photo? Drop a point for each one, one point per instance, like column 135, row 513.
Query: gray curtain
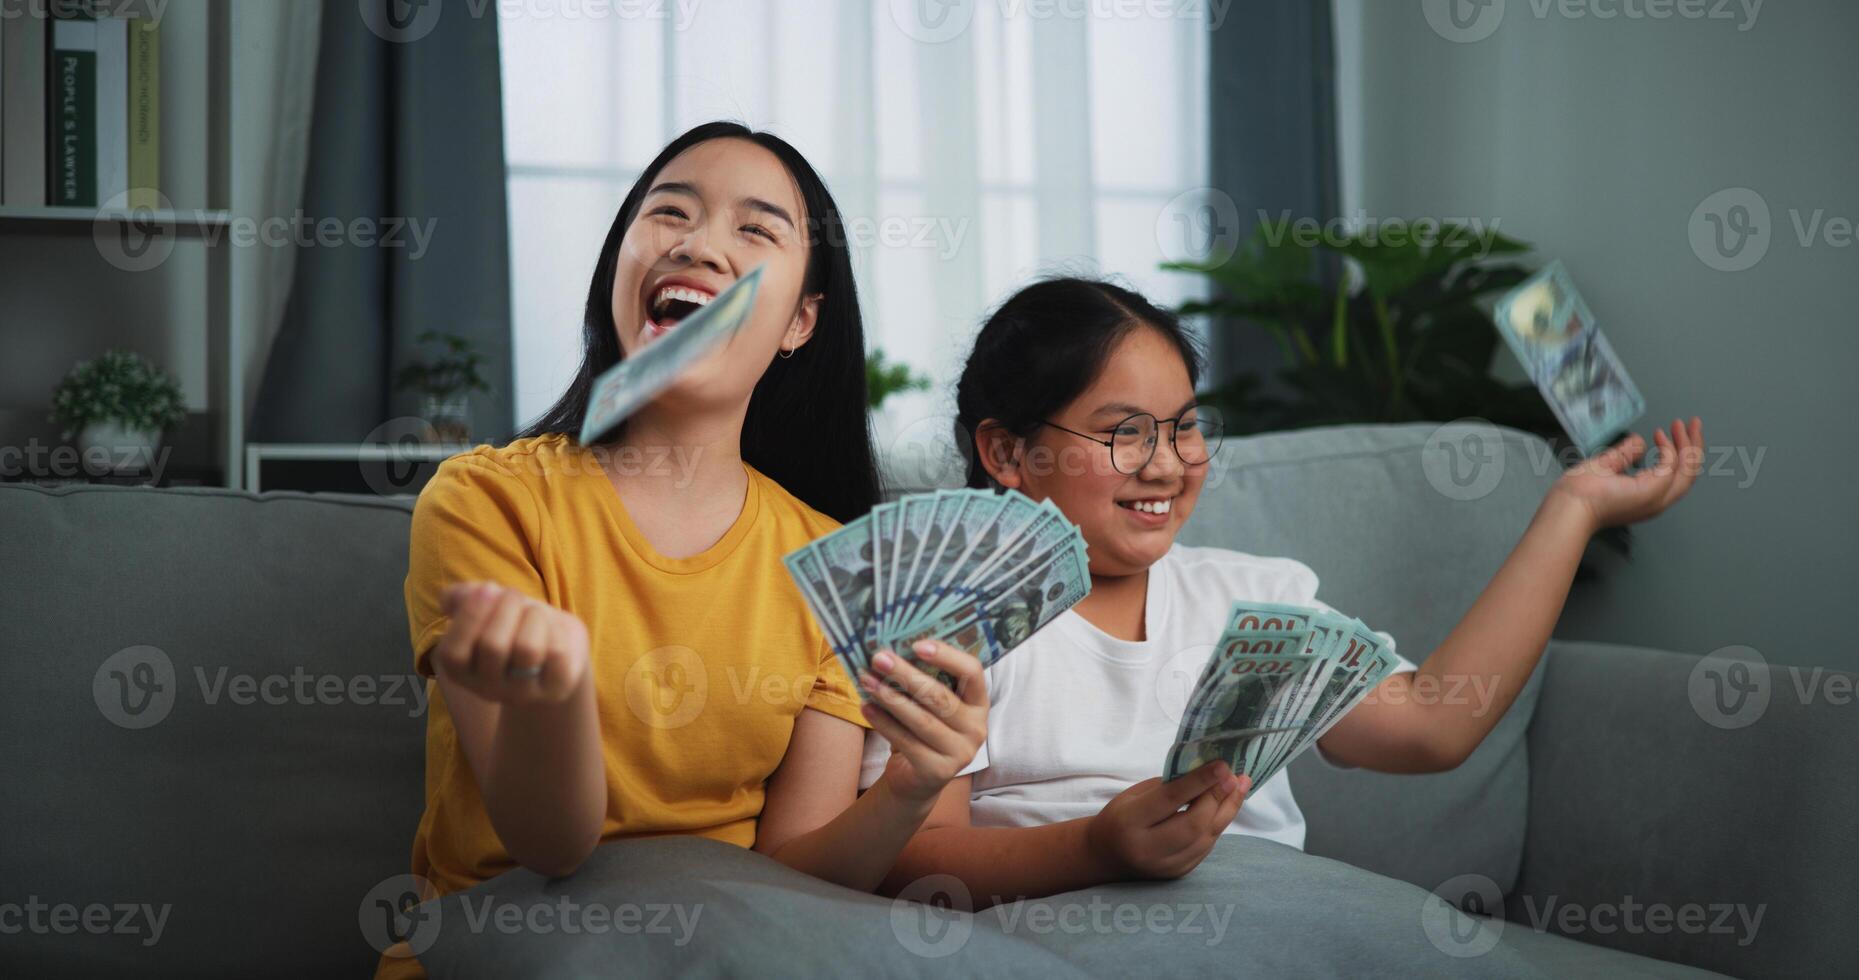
column 406, row 134
column 1272, row 109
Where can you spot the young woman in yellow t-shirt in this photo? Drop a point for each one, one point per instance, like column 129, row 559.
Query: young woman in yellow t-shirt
column 617, row 647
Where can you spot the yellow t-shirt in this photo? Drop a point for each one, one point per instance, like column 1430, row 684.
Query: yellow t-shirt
column 700, row 664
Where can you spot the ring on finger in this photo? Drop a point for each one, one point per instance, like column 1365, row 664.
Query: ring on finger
column 530, row 672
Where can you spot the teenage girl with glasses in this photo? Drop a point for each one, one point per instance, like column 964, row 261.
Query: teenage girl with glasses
column 1066, row 397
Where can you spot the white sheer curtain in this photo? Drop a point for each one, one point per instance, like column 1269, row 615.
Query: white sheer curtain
column 272, row 94
column 1041, row 137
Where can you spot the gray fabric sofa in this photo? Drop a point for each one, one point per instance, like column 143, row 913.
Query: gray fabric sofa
column 214, row 759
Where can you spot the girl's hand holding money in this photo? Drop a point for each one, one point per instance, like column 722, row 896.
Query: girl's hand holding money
column 934, row 731
column 1610, row 496
column 1145, row 833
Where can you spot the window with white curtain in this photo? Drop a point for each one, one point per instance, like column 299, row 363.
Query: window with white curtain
column 1042, row 137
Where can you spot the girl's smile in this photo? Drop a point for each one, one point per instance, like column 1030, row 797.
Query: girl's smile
column 1149, row 512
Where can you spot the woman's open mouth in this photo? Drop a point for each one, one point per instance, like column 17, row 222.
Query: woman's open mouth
column 669, row 304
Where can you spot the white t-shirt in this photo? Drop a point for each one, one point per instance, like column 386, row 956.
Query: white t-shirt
column 1079, row 716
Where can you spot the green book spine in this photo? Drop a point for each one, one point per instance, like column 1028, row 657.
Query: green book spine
column 144, row 113
column 71, row 115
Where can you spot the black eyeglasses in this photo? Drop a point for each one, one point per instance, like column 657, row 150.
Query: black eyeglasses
column 1195, row 437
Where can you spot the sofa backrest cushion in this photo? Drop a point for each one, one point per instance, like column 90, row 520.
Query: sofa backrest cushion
column 1404, row 526
column 207, row 702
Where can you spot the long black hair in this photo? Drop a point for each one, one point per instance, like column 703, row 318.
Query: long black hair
column 807, row 427
column 1043, row 348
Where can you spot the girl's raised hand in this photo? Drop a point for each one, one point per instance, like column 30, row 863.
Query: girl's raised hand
column 934, row 732
column 1610, row 496
column 505, row 647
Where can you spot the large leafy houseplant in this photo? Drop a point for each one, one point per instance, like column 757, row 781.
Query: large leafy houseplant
column 1372, row 327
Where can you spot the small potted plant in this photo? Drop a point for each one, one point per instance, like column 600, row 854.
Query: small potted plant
column 121, row 404
column 901, row 453
column 445, row 384
column 884, row 379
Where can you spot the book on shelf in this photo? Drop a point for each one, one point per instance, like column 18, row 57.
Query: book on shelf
column 22, row 109
column 112, row 109
column 144, row 108
column 71, row 113
column 80, row 107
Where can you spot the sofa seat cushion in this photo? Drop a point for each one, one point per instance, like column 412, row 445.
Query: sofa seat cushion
column 1255, row 908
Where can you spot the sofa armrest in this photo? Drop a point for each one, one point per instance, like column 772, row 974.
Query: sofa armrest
column 1654, row 785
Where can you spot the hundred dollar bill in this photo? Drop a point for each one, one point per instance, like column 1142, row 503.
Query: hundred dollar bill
column 623, row 388
column 1234, row 747
column 1384, row 664
column 1018, row 537
column 1552, row 331
column 1260, row 670
column 976, row 569
column 1350, row 654
column 1251, row 615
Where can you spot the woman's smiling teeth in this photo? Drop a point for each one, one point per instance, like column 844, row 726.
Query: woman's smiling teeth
column 668, row 306
column 677, row 302
column 1157, row 506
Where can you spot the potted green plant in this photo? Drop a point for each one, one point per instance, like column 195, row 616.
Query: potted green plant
column 1401, row 335
column 897, row 439
column 445, row 384
column 884, row 379
column 1372, row 328
column 120, row 404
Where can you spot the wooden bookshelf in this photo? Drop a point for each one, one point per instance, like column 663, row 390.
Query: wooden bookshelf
column 69, row 299
column 173, row 218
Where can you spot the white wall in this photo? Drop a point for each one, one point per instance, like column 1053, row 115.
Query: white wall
column 1596, row 139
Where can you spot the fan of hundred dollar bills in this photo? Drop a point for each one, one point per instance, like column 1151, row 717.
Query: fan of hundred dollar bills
column 976, row 569
column 1278, row 679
